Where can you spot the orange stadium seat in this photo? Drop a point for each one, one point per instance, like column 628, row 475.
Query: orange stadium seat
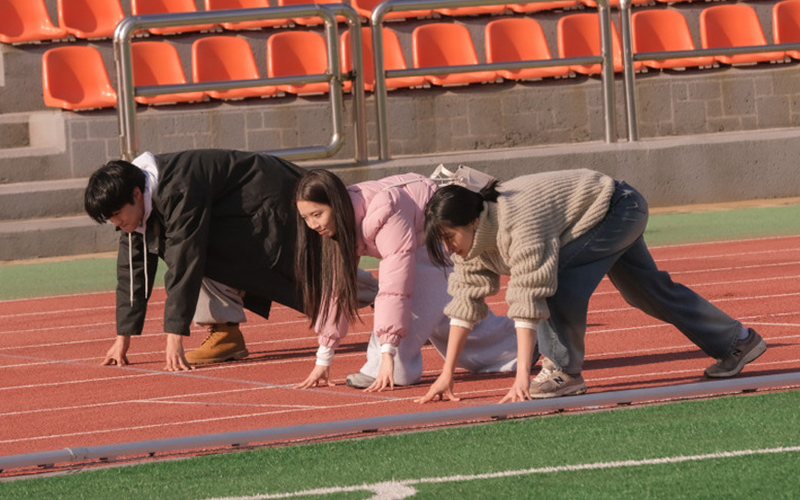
column 75, row 78
column 89, row 18
column 220, row 58
column 145, row 7
column 735, row 25
column 245, row 4
column 445, row 44
column 579, row 36
column 158, row 63
column 661, row 30
column 614, row 3
column 295, row 53
column 309, row 21
column 23, row 21
column 365, row 8
column 786, row 24
column 519, row 39
column 524, row 8
column 477, row 10
column 392, row 59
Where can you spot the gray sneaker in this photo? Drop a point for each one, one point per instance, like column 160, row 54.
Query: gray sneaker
column 359, row 380
column 548, row 367
column 745, row 351
column 557, row 383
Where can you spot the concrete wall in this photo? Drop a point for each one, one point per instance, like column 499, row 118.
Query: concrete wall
column 722, row 134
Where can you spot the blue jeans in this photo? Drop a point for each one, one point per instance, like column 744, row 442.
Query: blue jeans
column 615, row 246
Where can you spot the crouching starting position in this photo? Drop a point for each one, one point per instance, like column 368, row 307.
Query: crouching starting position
column 222, row 221
column 382, row 219
column 556, row 234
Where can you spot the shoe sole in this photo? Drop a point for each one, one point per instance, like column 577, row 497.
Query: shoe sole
column 209, row 361
column 558, row 394
column 751, row 356
column 348, row 382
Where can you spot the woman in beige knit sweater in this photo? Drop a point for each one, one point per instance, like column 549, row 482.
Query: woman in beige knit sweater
column 556, row 234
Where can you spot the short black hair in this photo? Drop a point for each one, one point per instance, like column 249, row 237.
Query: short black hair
column 110, row 188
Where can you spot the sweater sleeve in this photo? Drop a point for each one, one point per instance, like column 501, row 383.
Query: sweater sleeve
column 469, row 284
column 534, row 278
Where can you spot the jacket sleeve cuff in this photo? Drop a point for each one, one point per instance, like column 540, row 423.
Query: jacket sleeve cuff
column 390, row 338
column 324, row 356
column 462, row 323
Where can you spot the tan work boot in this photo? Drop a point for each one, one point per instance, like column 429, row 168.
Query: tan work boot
column 224, row 343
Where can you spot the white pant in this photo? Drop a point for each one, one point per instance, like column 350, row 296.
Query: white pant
column 491, row 345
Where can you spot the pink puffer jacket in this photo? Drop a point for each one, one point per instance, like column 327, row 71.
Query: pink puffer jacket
column 390, row 220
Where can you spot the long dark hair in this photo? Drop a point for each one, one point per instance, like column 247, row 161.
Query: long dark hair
column 327, row 267
column 110, row 188
column 452, row 206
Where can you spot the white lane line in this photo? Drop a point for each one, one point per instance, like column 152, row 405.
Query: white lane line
column 398, row 490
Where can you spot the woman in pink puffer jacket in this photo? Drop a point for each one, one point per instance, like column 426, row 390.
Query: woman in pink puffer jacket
column 382, row 219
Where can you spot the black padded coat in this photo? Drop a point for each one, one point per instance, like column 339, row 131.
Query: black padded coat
column 226, row 215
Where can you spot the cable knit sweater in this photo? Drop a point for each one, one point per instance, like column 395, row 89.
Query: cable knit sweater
column 521, row 235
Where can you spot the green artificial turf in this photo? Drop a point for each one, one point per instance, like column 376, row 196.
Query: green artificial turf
column 753, row 422
column 18, row 281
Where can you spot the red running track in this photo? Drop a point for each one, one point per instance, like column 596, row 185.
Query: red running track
column 54, row 394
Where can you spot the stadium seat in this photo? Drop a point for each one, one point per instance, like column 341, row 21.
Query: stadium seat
column 310, row 21
column 661, row 30
column 734, row 25
column 158, row 63
column 392, row 59
column 245, row 4
column 75, row 78
column 295, row 53
column 477, row 10
column 145, row 7
column 365, row 8
column 220, row 58
column 786, row 24
column 614, row 3
column 579, row 36
column 519, row 39
column 89, row 19
column 23, row 21
column 445, row 44
column 525, row 8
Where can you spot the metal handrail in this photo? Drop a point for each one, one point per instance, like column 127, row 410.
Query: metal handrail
column 126, row 29
column 427, row 418
column 377, row 19
column 629, row 57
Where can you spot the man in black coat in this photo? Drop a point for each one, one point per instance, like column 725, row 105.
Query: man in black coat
column 222, row 221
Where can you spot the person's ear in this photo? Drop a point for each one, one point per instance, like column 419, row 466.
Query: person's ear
column 137, row 193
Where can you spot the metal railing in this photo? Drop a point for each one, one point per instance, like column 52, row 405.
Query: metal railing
column 629, row 57
column 379, row 14
column 127, row 105
column 425, row 418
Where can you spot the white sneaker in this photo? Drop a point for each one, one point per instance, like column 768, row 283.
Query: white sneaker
column 359, row 380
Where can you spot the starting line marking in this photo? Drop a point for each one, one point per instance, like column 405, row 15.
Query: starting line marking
column 398, row 490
